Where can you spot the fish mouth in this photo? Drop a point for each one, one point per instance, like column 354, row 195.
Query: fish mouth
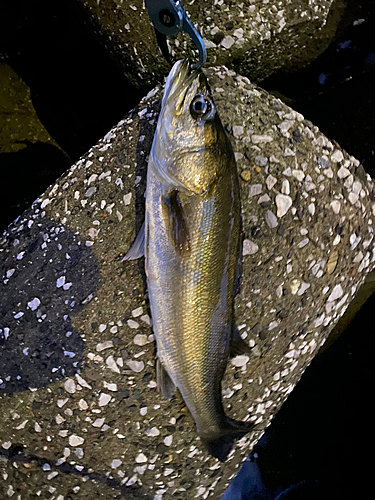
column 176, row 78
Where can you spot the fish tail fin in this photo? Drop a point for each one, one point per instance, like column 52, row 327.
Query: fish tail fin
column 219, row 445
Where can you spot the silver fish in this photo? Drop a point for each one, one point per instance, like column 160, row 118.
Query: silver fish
column 191, row 243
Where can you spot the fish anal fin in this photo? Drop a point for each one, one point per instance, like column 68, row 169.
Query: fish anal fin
column 137, row 249
column 178, row 229
column 237, row 345
column 164, row 382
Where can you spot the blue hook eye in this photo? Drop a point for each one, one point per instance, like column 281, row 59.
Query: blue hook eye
column 169, row 18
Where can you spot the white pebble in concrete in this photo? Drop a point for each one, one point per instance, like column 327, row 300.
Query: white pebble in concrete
column 98, row 422
column 154, row 431
column 75, row 440
column 336, row 293
column 104, row 399
column 111, row 363
column 285, row 187
column 70, row 386
column 82, row 404
column 132, row 324
column 283, row 204
column 34, row 304
column 335, row 205
column 343, row 173
column 228, row 42
column 249, row 248
column 140, row 339
column 137, row 312
column 141, row 458
column 135, row 366
column 168, row 440
column 337, row 156
column 104, row 345
column 240, row 360
column 298, row 174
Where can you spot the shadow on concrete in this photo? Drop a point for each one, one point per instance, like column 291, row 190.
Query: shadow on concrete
column 48, row 275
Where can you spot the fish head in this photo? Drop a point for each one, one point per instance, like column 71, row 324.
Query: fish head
column 190, row 146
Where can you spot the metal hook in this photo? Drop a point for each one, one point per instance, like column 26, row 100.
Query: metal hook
column 169, row 18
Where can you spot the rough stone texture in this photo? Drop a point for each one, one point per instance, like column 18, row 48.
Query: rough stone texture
column 253, row 37
column 107, row 431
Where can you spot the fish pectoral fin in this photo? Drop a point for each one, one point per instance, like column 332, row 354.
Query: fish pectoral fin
column 164, row 382
column 178, row 229
column 137, row 249
column 237, row 345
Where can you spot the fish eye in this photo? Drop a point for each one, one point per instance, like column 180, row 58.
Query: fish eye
column 200, row 106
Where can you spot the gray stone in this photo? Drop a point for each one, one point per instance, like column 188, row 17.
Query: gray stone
column 271, row 181
column 271, row 219
column 237, row 131
column 249, row 247
column 264, row 199
column 255, row 189
column 260, row 161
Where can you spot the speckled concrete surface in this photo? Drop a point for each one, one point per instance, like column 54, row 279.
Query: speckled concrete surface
column 254, row 37
column 81, row 417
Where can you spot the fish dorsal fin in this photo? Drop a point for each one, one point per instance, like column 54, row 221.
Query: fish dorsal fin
column 178, row 229
column 164, row 381
column 137, row 249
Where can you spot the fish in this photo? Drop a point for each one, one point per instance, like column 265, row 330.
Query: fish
column 191, row 240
